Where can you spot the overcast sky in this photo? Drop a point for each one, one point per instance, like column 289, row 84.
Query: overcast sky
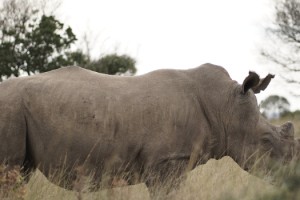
column 179, row 34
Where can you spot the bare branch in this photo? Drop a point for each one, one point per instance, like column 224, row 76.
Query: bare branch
column 292, row 81
column 87, row 44
column 282, row 64
column 49, row 7
column 285, row 40
column 294, row 94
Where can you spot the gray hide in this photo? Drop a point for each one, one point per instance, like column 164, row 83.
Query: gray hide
column 146, row 125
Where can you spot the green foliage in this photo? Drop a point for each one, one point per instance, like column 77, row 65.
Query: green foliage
column 274, row 105
column 46, row 45
column 78, row 58
column 114, row 64
column 295, row 115
column 30, row 42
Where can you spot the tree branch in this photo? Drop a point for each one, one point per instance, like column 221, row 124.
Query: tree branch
column 277, row 61
column 292, row 81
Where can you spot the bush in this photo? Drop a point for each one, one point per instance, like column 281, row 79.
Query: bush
column 11, row 183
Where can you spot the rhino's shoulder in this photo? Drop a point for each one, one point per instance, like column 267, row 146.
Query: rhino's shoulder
column 210, row 71
column 213, row 68
column 65, row 74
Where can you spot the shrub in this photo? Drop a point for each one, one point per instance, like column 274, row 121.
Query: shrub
column 11, row 183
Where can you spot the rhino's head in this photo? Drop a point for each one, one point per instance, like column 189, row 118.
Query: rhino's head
column 250, row 135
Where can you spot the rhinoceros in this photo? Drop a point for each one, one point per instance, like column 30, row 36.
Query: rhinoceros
column 146, row 125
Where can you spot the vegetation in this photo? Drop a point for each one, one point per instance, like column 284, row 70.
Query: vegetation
column 288, row 178
column 274, row 106
column 11, row 183
column 112, row 64
column 33, row 42
column 216, row 180
column 284, row 40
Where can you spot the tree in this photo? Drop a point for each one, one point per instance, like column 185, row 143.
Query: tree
column 112, row 64
column 274, row 106
column 285, row 35
column 31, row 42
column 78, row 58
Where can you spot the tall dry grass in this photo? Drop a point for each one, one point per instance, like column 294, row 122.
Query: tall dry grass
column 216, row 180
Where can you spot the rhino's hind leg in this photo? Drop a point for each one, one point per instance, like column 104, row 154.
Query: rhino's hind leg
column 12, row 130
column 13, row 147
column 28, row 167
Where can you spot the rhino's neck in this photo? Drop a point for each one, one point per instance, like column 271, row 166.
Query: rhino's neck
column 214, row 94
column 216, row 138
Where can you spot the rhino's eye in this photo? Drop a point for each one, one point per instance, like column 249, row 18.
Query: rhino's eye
column 266, row 142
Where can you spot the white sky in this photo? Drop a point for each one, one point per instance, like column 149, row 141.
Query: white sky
column 179, row 33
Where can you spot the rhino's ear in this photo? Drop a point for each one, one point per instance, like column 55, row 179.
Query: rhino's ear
column 251, row 81
column 263, row 83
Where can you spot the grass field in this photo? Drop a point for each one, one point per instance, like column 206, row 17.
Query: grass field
column 216, row 180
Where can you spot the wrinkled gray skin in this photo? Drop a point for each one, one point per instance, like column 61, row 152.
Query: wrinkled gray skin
column 145, row 124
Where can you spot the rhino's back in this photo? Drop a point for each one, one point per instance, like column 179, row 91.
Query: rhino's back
column 79, row 90
column 88, row 100
column 77, row 77
column 72, row 107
